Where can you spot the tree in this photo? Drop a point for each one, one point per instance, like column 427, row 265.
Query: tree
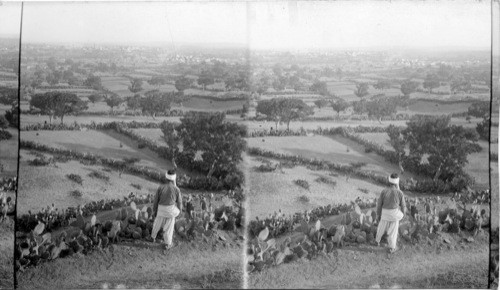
column 135, row 85
column 73, row 81
column 52, row 79
column 320, row 88
column 431, row 82
column 339, row 105
column 483, row 128
column 381, row 107
column 479, row 109
column 113, row 101
column 58, row 104
column 51, row 63
column 295, row 83
column 134, row 102
column 67, row 74
column 158, row 81
column 95, row 98
column 361, row 90
column 93, row 82
column 183, row 83
column 66, row 103
column 382, row 85
column 157, row 102
column 220, row 143
column 8, row 96
column 339, row 73
column 408, row 87
column 320, row 103
column 205, row 79
column 359, row 107
column 171, row 136
column 396, row 140
column 284, row 110
column 277, row 69
column 43, row 102
column 280, row 83
column 271, row 108
column 445, row 146
column 293, row 109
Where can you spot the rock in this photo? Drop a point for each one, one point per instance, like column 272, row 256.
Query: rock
column 470, row 239
column 446, row 240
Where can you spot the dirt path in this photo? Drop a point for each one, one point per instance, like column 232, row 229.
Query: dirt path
column 6, row 254
column 464, row 266
column 188, row 265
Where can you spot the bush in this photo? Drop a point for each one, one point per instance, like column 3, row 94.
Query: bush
column 3, row 122
column 357, row 165
column 12, row 117
column 266, row 167
column 39, row 161
column 5, row 135
column 287, row 164
column 302, row 183
column 141, row 145
column 131, row 160
column 364, row 190
column 75, row 177
column 60, row 158
column 325, row 180
column 303, row 198
column 76, row 193
column 99, row 175
column 494, row 157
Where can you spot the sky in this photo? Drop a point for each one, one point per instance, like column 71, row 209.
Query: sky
column 10, row 19
column 260, row 25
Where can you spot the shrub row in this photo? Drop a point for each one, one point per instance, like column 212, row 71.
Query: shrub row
column 92, row 126
column 319, row 131
column 397, row 117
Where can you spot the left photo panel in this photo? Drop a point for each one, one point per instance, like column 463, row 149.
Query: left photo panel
column 131, row 145
column 10, row 21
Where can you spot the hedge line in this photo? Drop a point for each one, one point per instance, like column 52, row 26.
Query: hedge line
column 92, row 126
column 397, row 117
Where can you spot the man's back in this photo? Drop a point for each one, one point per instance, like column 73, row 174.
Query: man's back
column 391, row 198
column 168, row 194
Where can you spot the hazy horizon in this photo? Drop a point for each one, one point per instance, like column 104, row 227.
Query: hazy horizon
column 289, row 26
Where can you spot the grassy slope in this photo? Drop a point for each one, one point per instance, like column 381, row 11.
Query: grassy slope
column 103, row 143
column 41, row 186
column 8, row 154
column 333, row 149
column 270, row 192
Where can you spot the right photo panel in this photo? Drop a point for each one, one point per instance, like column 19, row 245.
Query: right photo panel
column 369, row 145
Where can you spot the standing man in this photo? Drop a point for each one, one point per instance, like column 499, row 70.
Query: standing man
column 167, row 205
column 391, row 208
